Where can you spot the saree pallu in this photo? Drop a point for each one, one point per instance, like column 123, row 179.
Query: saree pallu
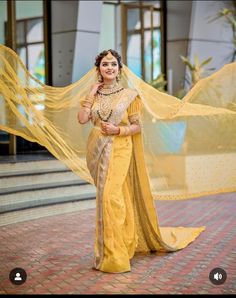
column 126, row 219
column 190, row 144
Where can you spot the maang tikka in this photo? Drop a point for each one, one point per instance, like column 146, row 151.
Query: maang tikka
column 109, row 55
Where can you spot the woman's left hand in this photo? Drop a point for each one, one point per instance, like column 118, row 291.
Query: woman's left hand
column 109, row 128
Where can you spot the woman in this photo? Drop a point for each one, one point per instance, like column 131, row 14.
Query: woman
column 126, row 220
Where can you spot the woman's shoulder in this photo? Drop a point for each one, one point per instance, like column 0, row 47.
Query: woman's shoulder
column 130, row 91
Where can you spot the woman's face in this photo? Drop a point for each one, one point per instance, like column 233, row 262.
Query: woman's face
column 109, row 68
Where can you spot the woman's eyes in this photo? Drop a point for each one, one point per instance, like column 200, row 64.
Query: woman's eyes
column 113, row 64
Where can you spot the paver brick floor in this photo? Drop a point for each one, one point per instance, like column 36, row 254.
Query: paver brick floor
column 57, row 253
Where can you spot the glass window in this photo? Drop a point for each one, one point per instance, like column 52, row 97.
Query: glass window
column 156, row 53
column 148, row 55
column 156, row 19
column 34, row 31
column 143, row 33
column 134, row 54
column 36, row 61
column 22, row 53
column 133, row 19
column 3, row 19
column 29, row 42
column 20, row 33
column 147, row 17
column 30, row 37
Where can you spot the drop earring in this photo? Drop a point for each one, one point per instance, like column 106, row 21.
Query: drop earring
column 118, row 77
column 100, row 78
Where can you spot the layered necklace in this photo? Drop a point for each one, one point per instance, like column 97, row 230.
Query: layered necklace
column 105, row 98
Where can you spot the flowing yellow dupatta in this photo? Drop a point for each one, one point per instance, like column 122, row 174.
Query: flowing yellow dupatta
column 189, row 144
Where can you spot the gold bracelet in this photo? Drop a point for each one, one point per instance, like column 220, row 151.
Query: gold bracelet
column 88, row 102
column 87, row 110
column 90, row 98
column 124, row 130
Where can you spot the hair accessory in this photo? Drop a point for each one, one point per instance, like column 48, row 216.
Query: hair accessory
column 109, row 56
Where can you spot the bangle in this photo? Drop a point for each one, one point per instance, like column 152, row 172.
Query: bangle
column 87, row 110
column 124, row 130
column 88, row 102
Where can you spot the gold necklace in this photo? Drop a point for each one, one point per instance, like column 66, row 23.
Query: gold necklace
column 104, row 111
column 105, row 98
column 109, row 89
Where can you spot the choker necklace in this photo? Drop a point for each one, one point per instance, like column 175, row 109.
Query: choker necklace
column 110, row 89
column 113, row 92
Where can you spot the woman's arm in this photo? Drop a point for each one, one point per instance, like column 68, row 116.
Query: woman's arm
column 84, row 114
column 128, row 130
column 133, row 128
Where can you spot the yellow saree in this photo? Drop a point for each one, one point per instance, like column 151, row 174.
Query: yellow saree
column 126, row 220
column 189, row 145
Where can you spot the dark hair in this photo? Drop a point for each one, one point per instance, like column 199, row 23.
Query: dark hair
column 104, row 53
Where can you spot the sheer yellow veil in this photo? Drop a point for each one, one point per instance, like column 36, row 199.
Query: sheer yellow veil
column 189, row 144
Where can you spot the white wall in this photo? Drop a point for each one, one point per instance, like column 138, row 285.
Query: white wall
column 210, row 39
column 189, row 32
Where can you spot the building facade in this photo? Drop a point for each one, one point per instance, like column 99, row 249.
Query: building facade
column 58, row 41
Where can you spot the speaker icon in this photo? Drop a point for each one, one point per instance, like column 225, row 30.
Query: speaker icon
column 217, row 276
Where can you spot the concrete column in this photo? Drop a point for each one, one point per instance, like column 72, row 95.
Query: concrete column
column 87, row 37
column 190, row 32
column 178, row 26
column 75, row 39
column 210, row 39
column 64, row 29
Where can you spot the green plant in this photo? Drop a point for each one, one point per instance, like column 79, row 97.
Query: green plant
column 196, row 72
column 159, row 83
column 196, row 69
column 229, row 14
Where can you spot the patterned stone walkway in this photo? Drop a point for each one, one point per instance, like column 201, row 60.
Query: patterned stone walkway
column 57, row 253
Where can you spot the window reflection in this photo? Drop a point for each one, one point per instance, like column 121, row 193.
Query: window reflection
column 34, row 30
column 143, row 39
column 156, row 53
column 30, row 46
column 134, row 54
column 30, row 36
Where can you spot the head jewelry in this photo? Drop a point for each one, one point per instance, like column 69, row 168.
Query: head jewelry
column 109, row 56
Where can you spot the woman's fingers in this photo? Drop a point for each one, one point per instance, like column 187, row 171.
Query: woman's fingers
column 108, row 128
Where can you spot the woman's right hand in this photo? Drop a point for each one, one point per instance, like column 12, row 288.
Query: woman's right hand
column 95, row 88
